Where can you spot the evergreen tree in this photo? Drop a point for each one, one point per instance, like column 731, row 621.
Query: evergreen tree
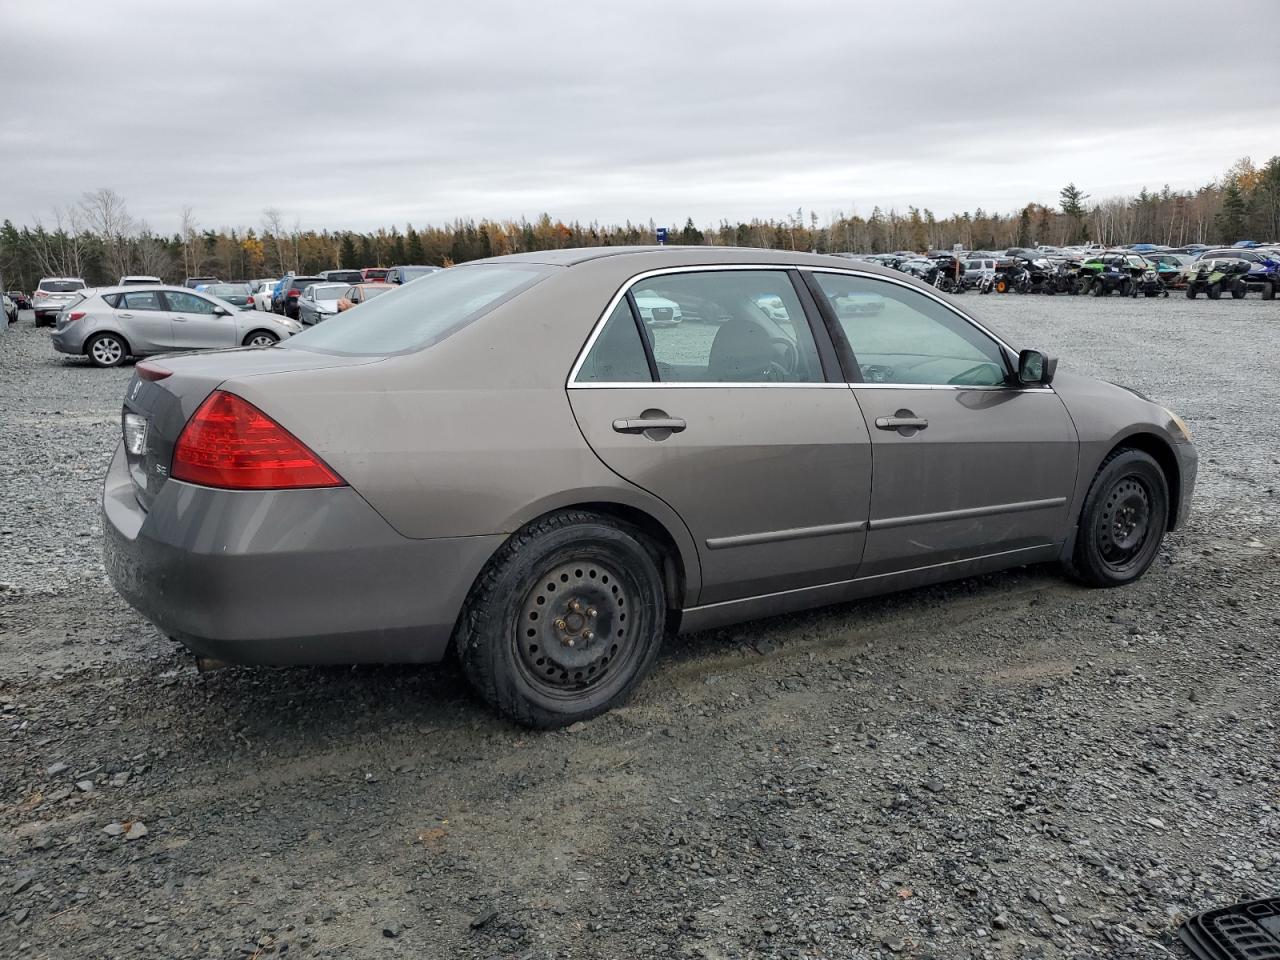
column 347, row 256
column 413, row 251
column 1072, row 199
column 1024, row 228
column 1234, row 208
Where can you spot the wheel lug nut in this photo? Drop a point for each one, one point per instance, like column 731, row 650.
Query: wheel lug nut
column 593, row 612
column 561, row 625
column 569, row 642
column 588, row 636
column 575, row 606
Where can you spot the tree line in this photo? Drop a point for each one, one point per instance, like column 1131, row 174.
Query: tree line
column 96, row 238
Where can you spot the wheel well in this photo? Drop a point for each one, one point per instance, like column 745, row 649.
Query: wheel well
column 128, row 350
column 673, row 573
column 1159, row 451
column 254, row 332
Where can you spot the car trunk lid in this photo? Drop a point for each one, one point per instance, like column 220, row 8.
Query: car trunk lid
column 165, row 391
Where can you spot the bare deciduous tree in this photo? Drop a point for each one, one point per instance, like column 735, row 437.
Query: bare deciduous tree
column 151, row 255
column 106, row 215
column 60, row 252
column 273, row 226
column 192, row 248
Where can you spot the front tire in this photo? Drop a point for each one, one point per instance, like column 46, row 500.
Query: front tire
column 1215, row 291
column 1123, row 521
column 106, row 350
column 1238, row 290
column 261, row 338
column 565, row 620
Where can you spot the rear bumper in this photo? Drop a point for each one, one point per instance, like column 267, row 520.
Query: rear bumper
column 67, row 340
column 284, row 577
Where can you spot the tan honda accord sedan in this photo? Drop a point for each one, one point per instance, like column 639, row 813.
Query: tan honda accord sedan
column 514, row 461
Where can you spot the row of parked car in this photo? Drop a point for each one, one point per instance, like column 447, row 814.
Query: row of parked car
column 1138, row 269
column 141, row 315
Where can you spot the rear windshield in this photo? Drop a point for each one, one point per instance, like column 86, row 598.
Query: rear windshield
column 421, row 313
column 376, row 274
column 61, row 286
column 329, row 292
column 227, row 289
column 413, row 273
column 302, row 283
column 348, row 276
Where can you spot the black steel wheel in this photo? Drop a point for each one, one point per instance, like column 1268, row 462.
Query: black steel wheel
column 1123, row 521
column 565, row 620
column 1215, row 291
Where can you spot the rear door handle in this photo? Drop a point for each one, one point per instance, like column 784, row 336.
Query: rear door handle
column 180, row 319
column 901, row 423
column 641, row 424
column 125, row 316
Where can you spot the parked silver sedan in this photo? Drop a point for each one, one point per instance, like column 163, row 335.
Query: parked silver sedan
column 112, row 323
column 320, row 301
column 504, row 459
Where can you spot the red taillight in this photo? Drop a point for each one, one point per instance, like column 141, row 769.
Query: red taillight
column 230, row 443
column 148, row 371
column 293, row 293
column 75, row 316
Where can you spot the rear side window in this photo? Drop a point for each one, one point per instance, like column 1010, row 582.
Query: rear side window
column 617, row 356
column 422, row 313
column 727, row 326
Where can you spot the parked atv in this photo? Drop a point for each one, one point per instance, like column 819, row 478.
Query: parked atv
column 1107, row 275
column 1010, row 275
column 1212, row 276
column 1149, row 284
column 948, row 275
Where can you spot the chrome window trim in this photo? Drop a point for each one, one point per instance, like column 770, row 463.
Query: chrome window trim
column 572, row 384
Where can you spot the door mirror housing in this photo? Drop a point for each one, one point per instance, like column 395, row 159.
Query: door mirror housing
column 220, row 312
column 1036, row 368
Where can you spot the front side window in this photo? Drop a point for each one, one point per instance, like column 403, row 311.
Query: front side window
column 188, row 303
column 911, row 338
column 727, row 326
column 422, row 313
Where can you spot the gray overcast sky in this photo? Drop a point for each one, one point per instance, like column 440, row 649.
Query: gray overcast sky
column 350, row 115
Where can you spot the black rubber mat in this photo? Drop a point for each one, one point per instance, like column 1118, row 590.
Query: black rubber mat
column 1242, row 931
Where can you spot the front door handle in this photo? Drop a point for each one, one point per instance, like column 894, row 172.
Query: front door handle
column 179, row 319
column 125, row 316
column 904, row 421
column 641, row 424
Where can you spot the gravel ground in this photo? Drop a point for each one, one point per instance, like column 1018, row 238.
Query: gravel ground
column 1009, row 766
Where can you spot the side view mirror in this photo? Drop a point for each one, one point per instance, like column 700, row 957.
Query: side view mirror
column 220, row 312
column 1036, row 368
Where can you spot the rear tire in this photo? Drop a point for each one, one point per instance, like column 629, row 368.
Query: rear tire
column 1238, row 290
column 1123, row 521
column 565, row 620
column 1269, row 291
column 106, row 350
column 1191, row 292
column 1215, row 291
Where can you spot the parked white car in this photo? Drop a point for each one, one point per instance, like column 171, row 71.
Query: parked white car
column 52, row 294
column 262, row 294
column 658, row 311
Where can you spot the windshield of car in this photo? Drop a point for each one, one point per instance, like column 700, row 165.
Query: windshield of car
column 413, row 273
column 61, row 286
column 423, row 313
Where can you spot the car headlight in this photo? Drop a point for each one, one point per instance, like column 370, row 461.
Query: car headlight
column 1180, row 424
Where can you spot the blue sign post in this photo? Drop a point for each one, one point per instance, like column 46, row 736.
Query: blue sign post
column 662, row 235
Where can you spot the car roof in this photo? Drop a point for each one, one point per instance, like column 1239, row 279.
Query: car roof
column 148, row 288
column 375, row 284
